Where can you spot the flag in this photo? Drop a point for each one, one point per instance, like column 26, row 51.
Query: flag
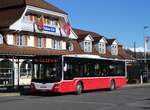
column 59, row 23
column 40, row 23
column 67, row 28
column 34, row 28
column 145, row 27
column 147, row 39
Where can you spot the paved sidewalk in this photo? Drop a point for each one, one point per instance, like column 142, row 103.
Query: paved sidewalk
column 9, row 94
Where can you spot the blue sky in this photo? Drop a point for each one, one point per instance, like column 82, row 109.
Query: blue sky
column 122, row 19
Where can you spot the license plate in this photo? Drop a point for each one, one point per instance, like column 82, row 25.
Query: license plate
column 43, row 87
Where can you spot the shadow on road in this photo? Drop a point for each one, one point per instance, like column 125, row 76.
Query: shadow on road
column 51, row 94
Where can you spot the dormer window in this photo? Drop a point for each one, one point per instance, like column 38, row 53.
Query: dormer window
column 114, row 50
column 101, row 45
column 113, row 46
column 47, row 20
column 102, row 48
column 71, row 47
column 87, row 46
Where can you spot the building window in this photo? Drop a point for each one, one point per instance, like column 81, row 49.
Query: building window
column 47, row 20
column 1, row 39
column 26, row 69
column 39, row 42
column 70, row 47
column 114, row 50
column 52, row 21
column 20, row 40
column 56, row 44
column 6, row 72
column 30, row 18
column 102, row 48
column 87, row 46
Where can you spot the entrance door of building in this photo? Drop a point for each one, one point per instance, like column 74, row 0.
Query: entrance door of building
column 25, row 73
column 6, row 73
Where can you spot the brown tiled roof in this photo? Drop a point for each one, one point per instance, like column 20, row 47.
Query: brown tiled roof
column 14, row 50
column 12, row 10
column 5, row 4
column 36, row 3
column 122, row 53
column 110, row 41
column 5, row 49
column 43, row 4
column 77, row 48
column 107, row 55
column 9, row 16
column 82, row 34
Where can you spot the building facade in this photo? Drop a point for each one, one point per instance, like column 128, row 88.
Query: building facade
column 35, row 27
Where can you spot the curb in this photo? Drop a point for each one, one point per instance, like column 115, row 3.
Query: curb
column 138, row 85
column 9, row 94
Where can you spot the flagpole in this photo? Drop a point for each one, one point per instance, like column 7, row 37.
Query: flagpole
column 145, row 52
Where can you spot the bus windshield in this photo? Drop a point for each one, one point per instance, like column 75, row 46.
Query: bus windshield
column 46, row 70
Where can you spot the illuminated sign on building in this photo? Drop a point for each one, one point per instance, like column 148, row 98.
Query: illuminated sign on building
column 49, row 29
column 45, row 60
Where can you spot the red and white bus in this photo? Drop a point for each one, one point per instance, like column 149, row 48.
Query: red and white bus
column 76, row 73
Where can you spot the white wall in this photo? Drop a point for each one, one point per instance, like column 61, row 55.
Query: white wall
column 10, row 39
column 102, row 41
column 48, row 43
column 63, row 45
column 88, row 38
column 30, row 41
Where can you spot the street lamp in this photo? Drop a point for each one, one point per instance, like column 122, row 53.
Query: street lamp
column 146, row 38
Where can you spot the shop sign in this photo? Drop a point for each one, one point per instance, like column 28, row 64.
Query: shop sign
column 49, row 29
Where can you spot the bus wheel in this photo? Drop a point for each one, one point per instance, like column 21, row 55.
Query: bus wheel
column 79, row 88
column 112, row 85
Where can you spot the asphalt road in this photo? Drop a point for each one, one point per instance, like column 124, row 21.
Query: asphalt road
column 120, row 99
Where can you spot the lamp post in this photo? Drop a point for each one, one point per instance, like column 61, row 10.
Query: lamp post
column 146, row 38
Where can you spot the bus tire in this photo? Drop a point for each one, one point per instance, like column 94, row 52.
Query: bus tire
column 79, row 88
column 112, row 85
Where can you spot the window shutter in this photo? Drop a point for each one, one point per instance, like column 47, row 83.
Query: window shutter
column 44, row 42
column 14, row 39
column 35, row 41
column 26, row 39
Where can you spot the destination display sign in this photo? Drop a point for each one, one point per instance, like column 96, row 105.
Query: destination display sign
column 45, row 60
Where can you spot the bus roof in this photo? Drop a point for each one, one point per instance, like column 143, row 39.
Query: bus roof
column 91, row 57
